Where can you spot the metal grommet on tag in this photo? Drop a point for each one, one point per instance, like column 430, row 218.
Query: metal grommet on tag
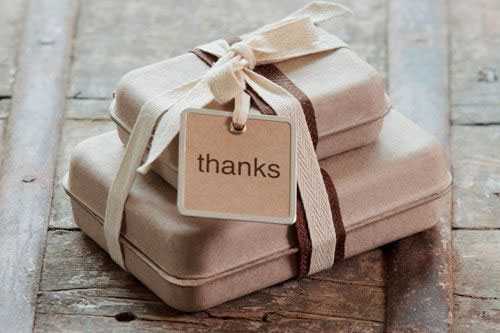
column 237, row 129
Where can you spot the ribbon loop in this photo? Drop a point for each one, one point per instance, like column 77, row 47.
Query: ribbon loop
column 245, row 51
column 225, row 80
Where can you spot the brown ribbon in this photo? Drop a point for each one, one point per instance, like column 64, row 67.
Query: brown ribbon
column 275, row 75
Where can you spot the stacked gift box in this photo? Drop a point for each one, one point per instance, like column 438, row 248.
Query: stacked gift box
column 386, row 178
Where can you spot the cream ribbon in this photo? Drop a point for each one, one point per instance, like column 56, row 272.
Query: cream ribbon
column 295, row 36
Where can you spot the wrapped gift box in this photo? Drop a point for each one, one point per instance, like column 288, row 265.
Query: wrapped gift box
column 387, row 190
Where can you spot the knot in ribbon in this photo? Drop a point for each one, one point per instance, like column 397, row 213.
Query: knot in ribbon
column 227, row 81
column 246, row 53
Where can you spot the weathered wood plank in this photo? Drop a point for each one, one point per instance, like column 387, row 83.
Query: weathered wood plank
column 476, row 166
column 418, row 63
column 147, row 32
column 475, row 67
column 364, row 269
column 54, row 323
column 4, row 107
column 157, row 24
column 475, row 114
column 74, row 132
column 88, row 109
column 419, row 269
column 4, row 111
column 365, row 30
column 31, row 141
column 2, row 131
column 96, row 302
column 11, row 18
column 321, row 299
column 477, row 263
column 475, row 64
column 419, row 281
column 79, row 279
column 476, row 315
column 475, row 44
column 74, row 262
column 273, row 323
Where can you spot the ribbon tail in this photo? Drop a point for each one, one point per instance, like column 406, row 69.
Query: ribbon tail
column 317, row 12
column 169, row 124
column 241, row 109
column 309, row 177
column 321, row 11
column 134, row 152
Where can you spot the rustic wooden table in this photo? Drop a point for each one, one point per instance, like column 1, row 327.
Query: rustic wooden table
column 59, row 62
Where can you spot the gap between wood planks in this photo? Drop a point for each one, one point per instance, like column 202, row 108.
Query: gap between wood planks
column 478, row 297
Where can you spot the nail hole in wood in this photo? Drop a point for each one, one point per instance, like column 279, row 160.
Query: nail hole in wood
column 46, row 41
column 125, row 316
column 28, row 179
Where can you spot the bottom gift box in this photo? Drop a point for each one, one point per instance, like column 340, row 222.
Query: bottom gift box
column 388, row 190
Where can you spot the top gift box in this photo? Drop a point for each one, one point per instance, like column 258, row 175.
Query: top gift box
column 341, row 95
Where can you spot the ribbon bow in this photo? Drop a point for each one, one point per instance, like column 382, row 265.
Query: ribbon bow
column 295, row 36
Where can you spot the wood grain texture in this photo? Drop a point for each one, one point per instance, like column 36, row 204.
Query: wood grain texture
column 148, row 32
column 418, row 63
column 4, row 108
column 477, row 268
column 273, row 323
column 475, row 64
column 73, row 261
column 80, row 282
column 320, row 298
column 419, row 280
column 88, row 109
column 11, row 14
column 366, row 269
column 419, row 298
column 476, row 315
column 365, row 30
column 31, row 141
column 2, row 131
column 74, row 132
column 476, row 114
column 476, row 168
column 475, row 92
column 141, row 33
column 330, row 301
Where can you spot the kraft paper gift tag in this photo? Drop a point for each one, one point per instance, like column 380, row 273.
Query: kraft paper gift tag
column 247, row 174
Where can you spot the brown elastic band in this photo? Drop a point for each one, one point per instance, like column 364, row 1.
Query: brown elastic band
column 337, row 217
column 272, row 73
